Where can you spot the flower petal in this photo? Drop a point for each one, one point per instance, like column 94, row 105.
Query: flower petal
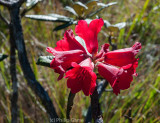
column 119, row 78
column 82, row 77
column 69, row 43
column 103, row 51
column 63, row 59
column 123, row 57
column 89, row 33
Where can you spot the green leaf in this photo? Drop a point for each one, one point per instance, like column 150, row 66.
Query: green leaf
column 120, row 25
column 81, row 4
column 79, row 8
column 114, row 28
column 156, row 8
column 106, row 23
column 3, row 56
column 90, row 1
column 100, row 9
column 71, row 10
column 106, row 5
column 51, row 17
column 90, row 4
column 59, row 16
column 63, row 26
column 45, row 60
column 32, row 2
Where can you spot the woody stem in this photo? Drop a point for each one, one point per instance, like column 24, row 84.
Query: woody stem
column 95, row 107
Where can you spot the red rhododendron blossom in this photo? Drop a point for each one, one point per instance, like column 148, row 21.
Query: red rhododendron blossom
column 69, row 43
column 104, row 49
column 89, row 33
column 119, row 78
column 82, row 77
column 63, row 59
column 123, row 56
column 78, row 56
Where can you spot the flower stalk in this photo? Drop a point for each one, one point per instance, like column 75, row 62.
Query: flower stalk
column 70, row 104
column 95, row 107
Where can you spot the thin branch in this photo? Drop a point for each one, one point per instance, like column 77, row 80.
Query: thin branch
column 27, row 10
column 158, row 91
column 6, row 3
column 20, row 2
column 10, row 4
column 17, row 33
column 114, row 46
column 95, row 107
column 14, row 97
column 70, row 104
column 101, row 88
column 129, row 117
column 4, row 19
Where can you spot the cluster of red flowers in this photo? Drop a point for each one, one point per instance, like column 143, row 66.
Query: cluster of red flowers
column 78, row 56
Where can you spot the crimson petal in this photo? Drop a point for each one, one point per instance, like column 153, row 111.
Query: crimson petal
column 63, row 59
column 103, row 51
column 123, row 57
column 119, row 78
column 89, row 33
column 69, row 43
column 82, row 77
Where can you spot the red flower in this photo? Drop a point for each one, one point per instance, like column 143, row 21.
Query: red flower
column 67, row 51
column 82, row 77
column 77, row 57
column 103, row 51
column 123, row 56
column 119, row 78
column 69, row 43
column 89, row 33
column 63, row 59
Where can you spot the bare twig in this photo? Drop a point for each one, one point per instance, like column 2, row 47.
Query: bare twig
column 114, row 46
column 129, row 115
column 95, row 107
column 4, row 19
column 101, row 88
column 38, row 43
column 6, row 3
column 70, row 104
column 12, row 3
column 14, row 97
column 17, row 41
column 28, row 9
column 158, row 91
column 20, row 2
column 17, row 33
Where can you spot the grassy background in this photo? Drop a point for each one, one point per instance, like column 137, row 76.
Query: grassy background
column 143, row 97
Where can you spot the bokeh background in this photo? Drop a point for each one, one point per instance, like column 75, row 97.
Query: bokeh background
column 143, row 97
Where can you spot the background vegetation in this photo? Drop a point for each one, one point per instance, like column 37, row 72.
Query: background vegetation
column 143, row 97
